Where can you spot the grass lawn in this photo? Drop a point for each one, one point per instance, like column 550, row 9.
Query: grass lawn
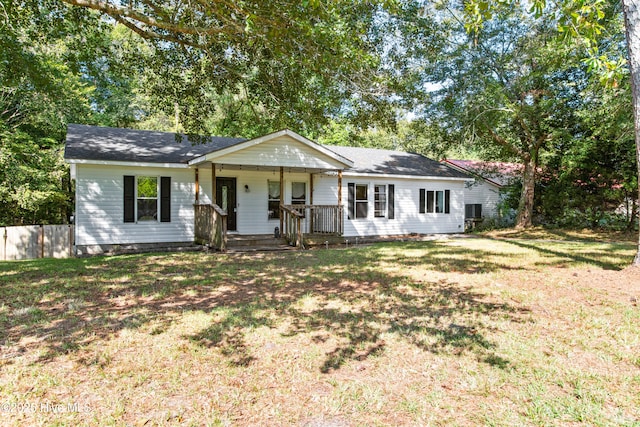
column 490, row 330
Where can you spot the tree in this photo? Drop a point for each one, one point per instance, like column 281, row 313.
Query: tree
column 289, row 63
column 584, row 19
column 55, row 68
column 39, row 89
column 503, row 89
column 632, row 24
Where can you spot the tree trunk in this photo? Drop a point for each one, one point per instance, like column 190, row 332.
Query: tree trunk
column 631, row 10
column 525, row 206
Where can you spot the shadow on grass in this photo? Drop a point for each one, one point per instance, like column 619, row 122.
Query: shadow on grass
column 592, row 258
column 59, row 307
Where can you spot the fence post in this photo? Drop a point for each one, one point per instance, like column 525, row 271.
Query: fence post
column 41, row 241
column 4, row 245
column 71, row 242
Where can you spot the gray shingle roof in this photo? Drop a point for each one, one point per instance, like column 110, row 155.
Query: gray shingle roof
column 98, row 143
column 127, row 145
column 389, row 162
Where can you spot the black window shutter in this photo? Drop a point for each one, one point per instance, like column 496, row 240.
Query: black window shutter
column 391, row 211
column 447, row 195
column 165, row 199
column 422, row 200
column 468, row 211
column 129, row 198
column 351, row 202
column 478, row 211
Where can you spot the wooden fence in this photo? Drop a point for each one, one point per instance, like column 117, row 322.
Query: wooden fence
column 36, row 241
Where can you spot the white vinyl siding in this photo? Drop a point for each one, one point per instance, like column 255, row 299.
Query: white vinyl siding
column 99, row 204
column 100, row 207
column 252, row 207
column 485, row 194
column 406, row 200
column 283, row 151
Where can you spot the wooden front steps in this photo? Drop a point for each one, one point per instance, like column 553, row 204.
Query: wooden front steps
column 256, row 242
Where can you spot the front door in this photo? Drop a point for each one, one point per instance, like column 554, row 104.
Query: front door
column 226, row 199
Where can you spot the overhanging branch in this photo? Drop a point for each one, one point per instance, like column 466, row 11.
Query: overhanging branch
column 131, row 15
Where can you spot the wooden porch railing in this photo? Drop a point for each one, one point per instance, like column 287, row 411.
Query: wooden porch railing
column 299, row 220
column 292, row 226
column 211, row 226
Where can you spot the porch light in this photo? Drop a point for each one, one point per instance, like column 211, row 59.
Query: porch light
column 246, row 188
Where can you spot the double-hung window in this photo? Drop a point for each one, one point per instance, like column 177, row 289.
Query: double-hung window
column 435, row 201
column 274, row 199
column 358, row 201
column 362, row 200
column 380, row 201
column 383, row 201
column 298, row 193
column 147, row 198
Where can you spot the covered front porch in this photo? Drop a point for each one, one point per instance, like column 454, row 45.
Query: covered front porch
column 281, row 184
column 298, row 225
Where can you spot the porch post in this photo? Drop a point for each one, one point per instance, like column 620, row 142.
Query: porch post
column 339, row 188
column 197, row 187
column 311, row 211
column 213, row 184
column 340, row 218
column 281, row 197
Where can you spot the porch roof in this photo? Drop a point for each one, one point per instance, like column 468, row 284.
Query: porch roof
column 283, row 148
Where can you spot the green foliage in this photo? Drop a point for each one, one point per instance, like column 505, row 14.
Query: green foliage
column 42, row 89
column 35, row 185
column 593, row 183
column 254, row 67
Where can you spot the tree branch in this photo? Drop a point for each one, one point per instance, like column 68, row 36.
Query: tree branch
column 504, row 143
column 129, row 13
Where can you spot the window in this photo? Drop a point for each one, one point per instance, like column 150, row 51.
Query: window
column 143, row 197
column 439, row 201
column 435, row 201
column 430, row 204
column 147, row 198
column 473, row 211
column 380, row 201
column 362, row 200
column 358, row 200
column 298, row 193
column 274, row 199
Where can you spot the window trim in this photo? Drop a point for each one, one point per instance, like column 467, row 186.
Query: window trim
column 130, row 199
column 138, row 198
column 434, row 201
column 361, row 202
column 353, row 203
column 380, row 213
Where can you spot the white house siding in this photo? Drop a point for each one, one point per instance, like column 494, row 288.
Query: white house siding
column 406, row 201
column 99, row 204
column 100, row 201
column 252, row 207
column 484, row 193
column 283, row 151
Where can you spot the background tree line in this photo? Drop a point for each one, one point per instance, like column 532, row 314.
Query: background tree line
column 403, row 74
